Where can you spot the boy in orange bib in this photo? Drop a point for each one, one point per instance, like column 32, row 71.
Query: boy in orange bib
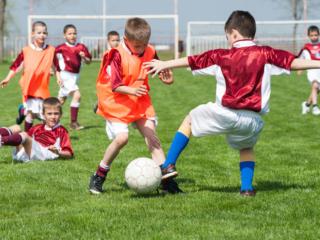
column 122, row 90
column 36, row 61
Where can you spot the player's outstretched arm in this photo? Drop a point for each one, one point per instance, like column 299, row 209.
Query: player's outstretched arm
column 5, row 81
column 156, row 66
column 303, row 64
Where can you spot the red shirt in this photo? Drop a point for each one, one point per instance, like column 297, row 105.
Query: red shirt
column 68, row 58
column 48, row 137
column 243, row 73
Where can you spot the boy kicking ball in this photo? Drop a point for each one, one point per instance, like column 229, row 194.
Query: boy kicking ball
column 242, row 93
column 46, row 141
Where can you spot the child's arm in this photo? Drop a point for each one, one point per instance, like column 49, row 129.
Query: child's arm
column 138, row 92
column 85, row 58
column 5, row 81
column 303, row 64
column 156, row 66
column 62, row 153
column 59, row 81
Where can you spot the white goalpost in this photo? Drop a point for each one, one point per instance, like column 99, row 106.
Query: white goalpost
column 173, row 17
column 287, row 35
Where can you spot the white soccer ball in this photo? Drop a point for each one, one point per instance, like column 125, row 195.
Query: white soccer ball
column 143, row 175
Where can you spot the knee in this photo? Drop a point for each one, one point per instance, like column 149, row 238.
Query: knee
column 315, row 85
column 77, row 96
column 15, row 128
column 121, row 139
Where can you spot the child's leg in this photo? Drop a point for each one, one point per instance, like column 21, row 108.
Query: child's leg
column 314, row 92
column 28, row 121
column 74, row 106
column 148, row 130
column 179, row 142
column 247, row 163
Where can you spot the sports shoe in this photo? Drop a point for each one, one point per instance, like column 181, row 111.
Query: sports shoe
column 248, row 193
column 169, row 172
column 95, row 185
column 169, row 185
column 21, row 115
column 76, row 126
column 315, row 110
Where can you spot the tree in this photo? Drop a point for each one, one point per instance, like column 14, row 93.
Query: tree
column 3, row 4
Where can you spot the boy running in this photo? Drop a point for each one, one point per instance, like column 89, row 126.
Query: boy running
column 242, row 93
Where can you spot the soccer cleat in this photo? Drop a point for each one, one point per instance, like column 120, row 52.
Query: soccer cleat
column 169, row 172
column 169, row 185
column 248, row 193
column 95, row 185
column 21, row 115
column 305, row 108
column 76, row 126
column 315, row 110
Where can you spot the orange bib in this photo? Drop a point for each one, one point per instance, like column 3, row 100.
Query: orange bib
column 35, row 78
column 122, row 107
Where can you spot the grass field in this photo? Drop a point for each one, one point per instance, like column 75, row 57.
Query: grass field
column 49, row 200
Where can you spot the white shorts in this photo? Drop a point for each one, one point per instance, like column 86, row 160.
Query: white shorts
column 38, row 152
column 35, row 106
column 242, row 127
column 69, row 83
column 313, row 75
column 115, row 128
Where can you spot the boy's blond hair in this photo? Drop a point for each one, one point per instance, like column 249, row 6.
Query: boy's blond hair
column 137, row 29
column 52, row 102
column 38, row 23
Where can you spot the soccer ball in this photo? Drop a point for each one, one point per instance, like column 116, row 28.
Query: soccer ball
column 143, row 175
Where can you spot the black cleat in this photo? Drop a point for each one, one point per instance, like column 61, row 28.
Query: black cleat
column 169, row 172
column 95, row 185
column 169, row 185
column 21, row 115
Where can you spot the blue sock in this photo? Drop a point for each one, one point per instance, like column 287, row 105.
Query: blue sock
column 246, row 171
column 179, row 142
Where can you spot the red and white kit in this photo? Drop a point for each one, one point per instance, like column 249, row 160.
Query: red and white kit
column 242, row 92
column 311, row 51
column 69, row 64
column 42, row 138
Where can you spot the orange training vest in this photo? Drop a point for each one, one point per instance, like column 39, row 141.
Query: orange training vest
column 35, row 78
column 119, row 107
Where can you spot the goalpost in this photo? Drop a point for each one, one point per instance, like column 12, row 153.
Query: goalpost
column 287, row 35
column 173, row 17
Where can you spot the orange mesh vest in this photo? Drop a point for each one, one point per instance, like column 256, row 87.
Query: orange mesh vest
column 35, row 78
column 123, row 107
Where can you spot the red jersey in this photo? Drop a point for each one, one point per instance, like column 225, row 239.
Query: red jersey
column 58, row 135
column 68, row 58
column 313, row 49
column 243, row 73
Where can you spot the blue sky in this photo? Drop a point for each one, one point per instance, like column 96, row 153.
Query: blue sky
column 189, row 10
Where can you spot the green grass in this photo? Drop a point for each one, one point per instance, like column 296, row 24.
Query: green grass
column 49, row 200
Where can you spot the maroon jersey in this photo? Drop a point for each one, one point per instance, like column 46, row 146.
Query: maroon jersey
column 243, row 73
column 68, row 58
column 47, row 137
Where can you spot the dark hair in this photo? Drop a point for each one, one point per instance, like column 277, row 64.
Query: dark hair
column 52, row 102
column 313, row 28
column 38, row 23
column 243, row 22
column 137, row 29
column 66, row 27
column 113, row 33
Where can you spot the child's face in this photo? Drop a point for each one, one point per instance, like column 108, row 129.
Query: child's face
column 71, row 35
column 39, row 35
column 314, row 36
column 114, row 41
column 52, row 116
column 136, row 47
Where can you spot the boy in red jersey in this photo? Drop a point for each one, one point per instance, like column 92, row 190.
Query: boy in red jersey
column 69, row 57
column 312, row 51
column 45, row 141
column 122, row 90
column 113, row 38
column 242, row 94
column 36, row 61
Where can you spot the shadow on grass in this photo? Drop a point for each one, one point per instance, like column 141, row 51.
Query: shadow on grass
column 260, row 186
column 91, row 126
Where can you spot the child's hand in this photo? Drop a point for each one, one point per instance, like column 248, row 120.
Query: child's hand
column 82, row 54
column 53, row 149
column 154, row 66
column 166, row 76
column 140, row 91
column 4, row 83
column 59, row 81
